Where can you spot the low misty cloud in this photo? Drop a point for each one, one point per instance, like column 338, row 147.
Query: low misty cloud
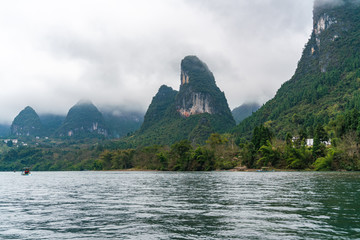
column 328, row 3
column 119, row 53
column 333, row 3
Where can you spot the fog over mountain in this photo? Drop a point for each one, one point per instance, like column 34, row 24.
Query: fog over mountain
column 54, row 53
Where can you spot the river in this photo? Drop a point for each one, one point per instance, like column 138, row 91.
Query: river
column 180, row 205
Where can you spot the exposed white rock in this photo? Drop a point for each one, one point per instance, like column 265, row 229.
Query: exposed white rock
column 199, row 104
column 184, row 78
column 324, row 22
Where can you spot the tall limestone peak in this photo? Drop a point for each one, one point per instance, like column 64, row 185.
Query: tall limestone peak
column 26, row 123
column 193, row 113
column 195, row 72
column 327, row 79
column 333, row 22
column 83, row 120
column 198, row 91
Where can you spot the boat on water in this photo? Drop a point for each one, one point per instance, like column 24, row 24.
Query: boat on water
column 265, row 169
column 25, row 171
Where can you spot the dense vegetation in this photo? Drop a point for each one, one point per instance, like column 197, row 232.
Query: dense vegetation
column 163, row 124
column 26, row 123
column 320, row 104
column 325, row 84
column 220, row 152
column 83, row 120
column 46, row 158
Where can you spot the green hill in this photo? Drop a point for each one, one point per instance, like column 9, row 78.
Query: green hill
column 327, row 80
column 193, row 113
column 83, row 120
column 26, row 123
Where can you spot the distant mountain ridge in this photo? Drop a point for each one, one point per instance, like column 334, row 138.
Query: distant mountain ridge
column 83, row 120
column 243, row 111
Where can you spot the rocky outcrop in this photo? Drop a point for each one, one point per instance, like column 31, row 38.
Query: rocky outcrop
column 195, row 103
column 198, row 91
column 322, row 24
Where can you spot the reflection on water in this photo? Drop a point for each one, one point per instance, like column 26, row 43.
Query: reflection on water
column 165, row 205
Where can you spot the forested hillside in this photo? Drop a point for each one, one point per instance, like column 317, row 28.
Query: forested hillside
column 326, row 82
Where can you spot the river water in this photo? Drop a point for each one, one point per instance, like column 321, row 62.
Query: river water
column 172, row 205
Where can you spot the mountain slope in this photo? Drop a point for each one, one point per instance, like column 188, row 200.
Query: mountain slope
column 26, row 123
column 193, row 113
column 120, row 122
column 4, row 130
column 51, row 123
column 244, row 111
column 327, row 79
column 83, row 120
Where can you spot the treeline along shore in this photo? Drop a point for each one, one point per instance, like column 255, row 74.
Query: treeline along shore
column 219, row 152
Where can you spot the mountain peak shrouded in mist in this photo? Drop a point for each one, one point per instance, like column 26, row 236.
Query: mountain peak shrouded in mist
column 84, row 102
column 130, row 59
column 82, row 120
column 326, row 81
column 26, row 123
column 245, row 110
column 328, row 3
column 192, row 66
column 320, row 5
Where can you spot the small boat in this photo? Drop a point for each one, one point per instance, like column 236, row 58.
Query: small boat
column 25, row 171
column 264, row 169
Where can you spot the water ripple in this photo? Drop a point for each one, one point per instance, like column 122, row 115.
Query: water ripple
column 166, row 205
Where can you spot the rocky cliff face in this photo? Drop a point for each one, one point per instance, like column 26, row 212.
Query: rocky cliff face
column 198, row 91
column 195, row 103
column 326, row 81
column 26, row 123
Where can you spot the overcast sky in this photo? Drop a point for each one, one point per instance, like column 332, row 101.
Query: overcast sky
column 115, row 52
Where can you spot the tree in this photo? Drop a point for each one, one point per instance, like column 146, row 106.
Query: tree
column 105, row 159
column 320, row 137
column 216, row 139
column 181, row 153
column 10, row 143
column 270, row 155
column 261, row 135
column 248, row 154
column 203, row 159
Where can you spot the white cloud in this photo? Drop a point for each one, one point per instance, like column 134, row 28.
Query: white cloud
column 54, row 53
